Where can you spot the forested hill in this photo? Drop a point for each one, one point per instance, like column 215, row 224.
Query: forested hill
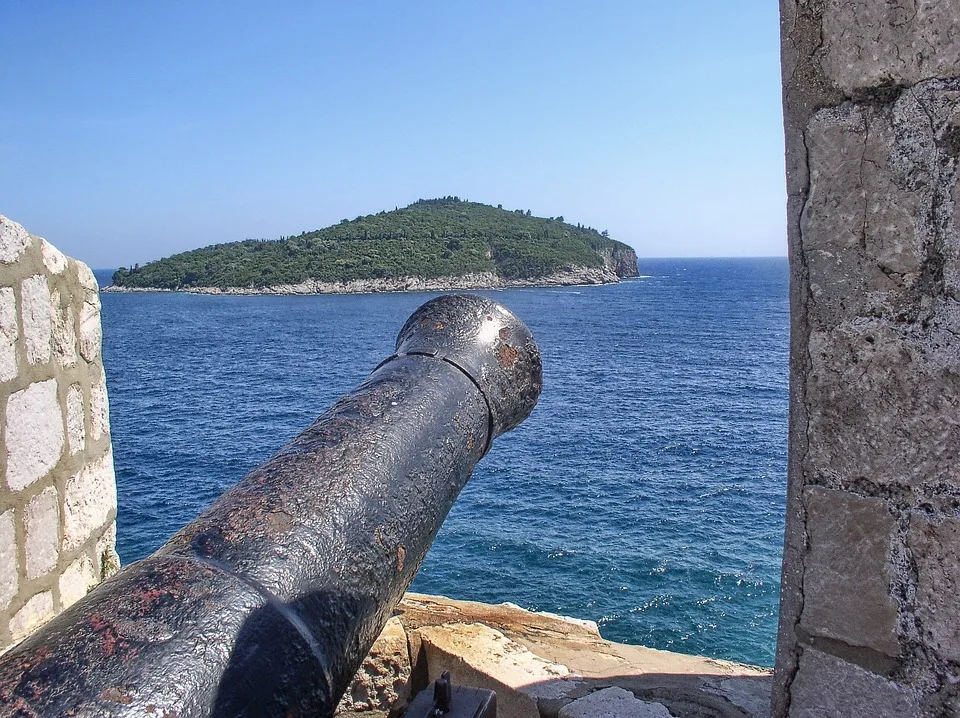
column 429, row 239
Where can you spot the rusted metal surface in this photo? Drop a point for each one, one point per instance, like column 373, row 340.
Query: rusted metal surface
column 267, row 603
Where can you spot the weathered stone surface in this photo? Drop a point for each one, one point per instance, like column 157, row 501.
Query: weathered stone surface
column 9, row 582
column 88, row 500
column 64, row 333
column 14, row 240
column 826, row 687
column 478, row 655
column 86, row 277
column 42, row 544
column 8, row 334
column 106, row 552
column 848, row 573
column 868, row 44
column 935, row 547
column 383, row 681
column 686, row 685
column 77, row 580
column 91, row 334
column 35, row 612
column 99, row 409
column 76, row 431
column 53, row 259
column 36, row 313
column 613, row 702
column 34, row 433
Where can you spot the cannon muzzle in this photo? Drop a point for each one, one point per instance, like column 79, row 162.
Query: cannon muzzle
column 267, row 603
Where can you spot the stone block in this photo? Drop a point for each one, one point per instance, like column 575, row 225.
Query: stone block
column 42, row 543
column 383, row 681
column 36, row 317
column 868, row 44
column 477, row 655
column 885, row 410
column 9, row 582
column 77, row 581
column 76, row 431
column 35, row 612
column 827, row 686
column 91, row 334
column 8, row 334
column 53, row 259
column 613, row 702
column 88, row 500
column 99, row 409
column 87, row 278
column 846, row 584
column 935, row 548
column 34, row 433
column 64, row 332
column 14, row 240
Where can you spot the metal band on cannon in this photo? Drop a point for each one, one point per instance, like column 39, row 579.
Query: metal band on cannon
column 267, row 603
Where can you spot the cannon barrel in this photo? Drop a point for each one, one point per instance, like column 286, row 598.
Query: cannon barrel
column 267, row 603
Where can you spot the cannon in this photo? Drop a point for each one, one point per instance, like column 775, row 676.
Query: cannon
column 267, row 603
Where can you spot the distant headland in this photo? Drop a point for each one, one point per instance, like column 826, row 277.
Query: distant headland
column 435, row 244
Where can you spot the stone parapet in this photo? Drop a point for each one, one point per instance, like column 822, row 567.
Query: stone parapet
column 869, row 608
column 543, row 666
column 57, row 493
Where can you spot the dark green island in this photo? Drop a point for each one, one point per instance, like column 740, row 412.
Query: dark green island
column 436, row 244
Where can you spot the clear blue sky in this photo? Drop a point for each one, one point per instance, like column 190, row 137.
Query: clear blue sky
column 132, row 130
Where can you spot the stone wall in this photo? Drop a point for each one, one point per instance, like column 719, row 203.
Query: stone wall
column 870, row 615
column 57, row 494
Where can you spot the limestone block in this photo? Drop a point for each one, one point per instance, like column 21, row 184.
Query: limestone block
column 884, row 409
column 8, row 560
column 826, row 686
column 42, row 544
column 34, row 433
column 874, row 206
column 36, row 311
column 99, row 409
column 89, row 498
column 935, row 548
column 848, row 573
column 8, row 334
column 14, row 240
column 64, row 333
column 76, row 431
column 480, row 656
column 87, row 278
column 613, row 702
column 91, row 334
column 77, row 581
column 383, row 681
column 53, row 259
column 35, row 612
column 872, row 44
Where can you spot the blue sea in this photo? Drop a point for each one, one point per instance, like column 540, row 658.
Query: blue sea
column 646, row 491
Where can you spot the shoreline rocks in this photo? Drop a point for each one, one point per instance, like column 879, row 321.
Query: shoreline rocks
column 569, row 276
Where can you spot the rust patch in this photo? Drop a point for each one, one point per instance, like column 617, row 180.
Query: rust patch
column 438, row 326
column 117, row 694
column 471, row 442
column 279, row 521
column 505, row 333
column 401, row 556
column 507, row 355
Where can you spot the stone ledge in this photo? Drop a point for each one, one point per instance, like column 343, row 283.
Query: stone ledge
column 543, row 665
